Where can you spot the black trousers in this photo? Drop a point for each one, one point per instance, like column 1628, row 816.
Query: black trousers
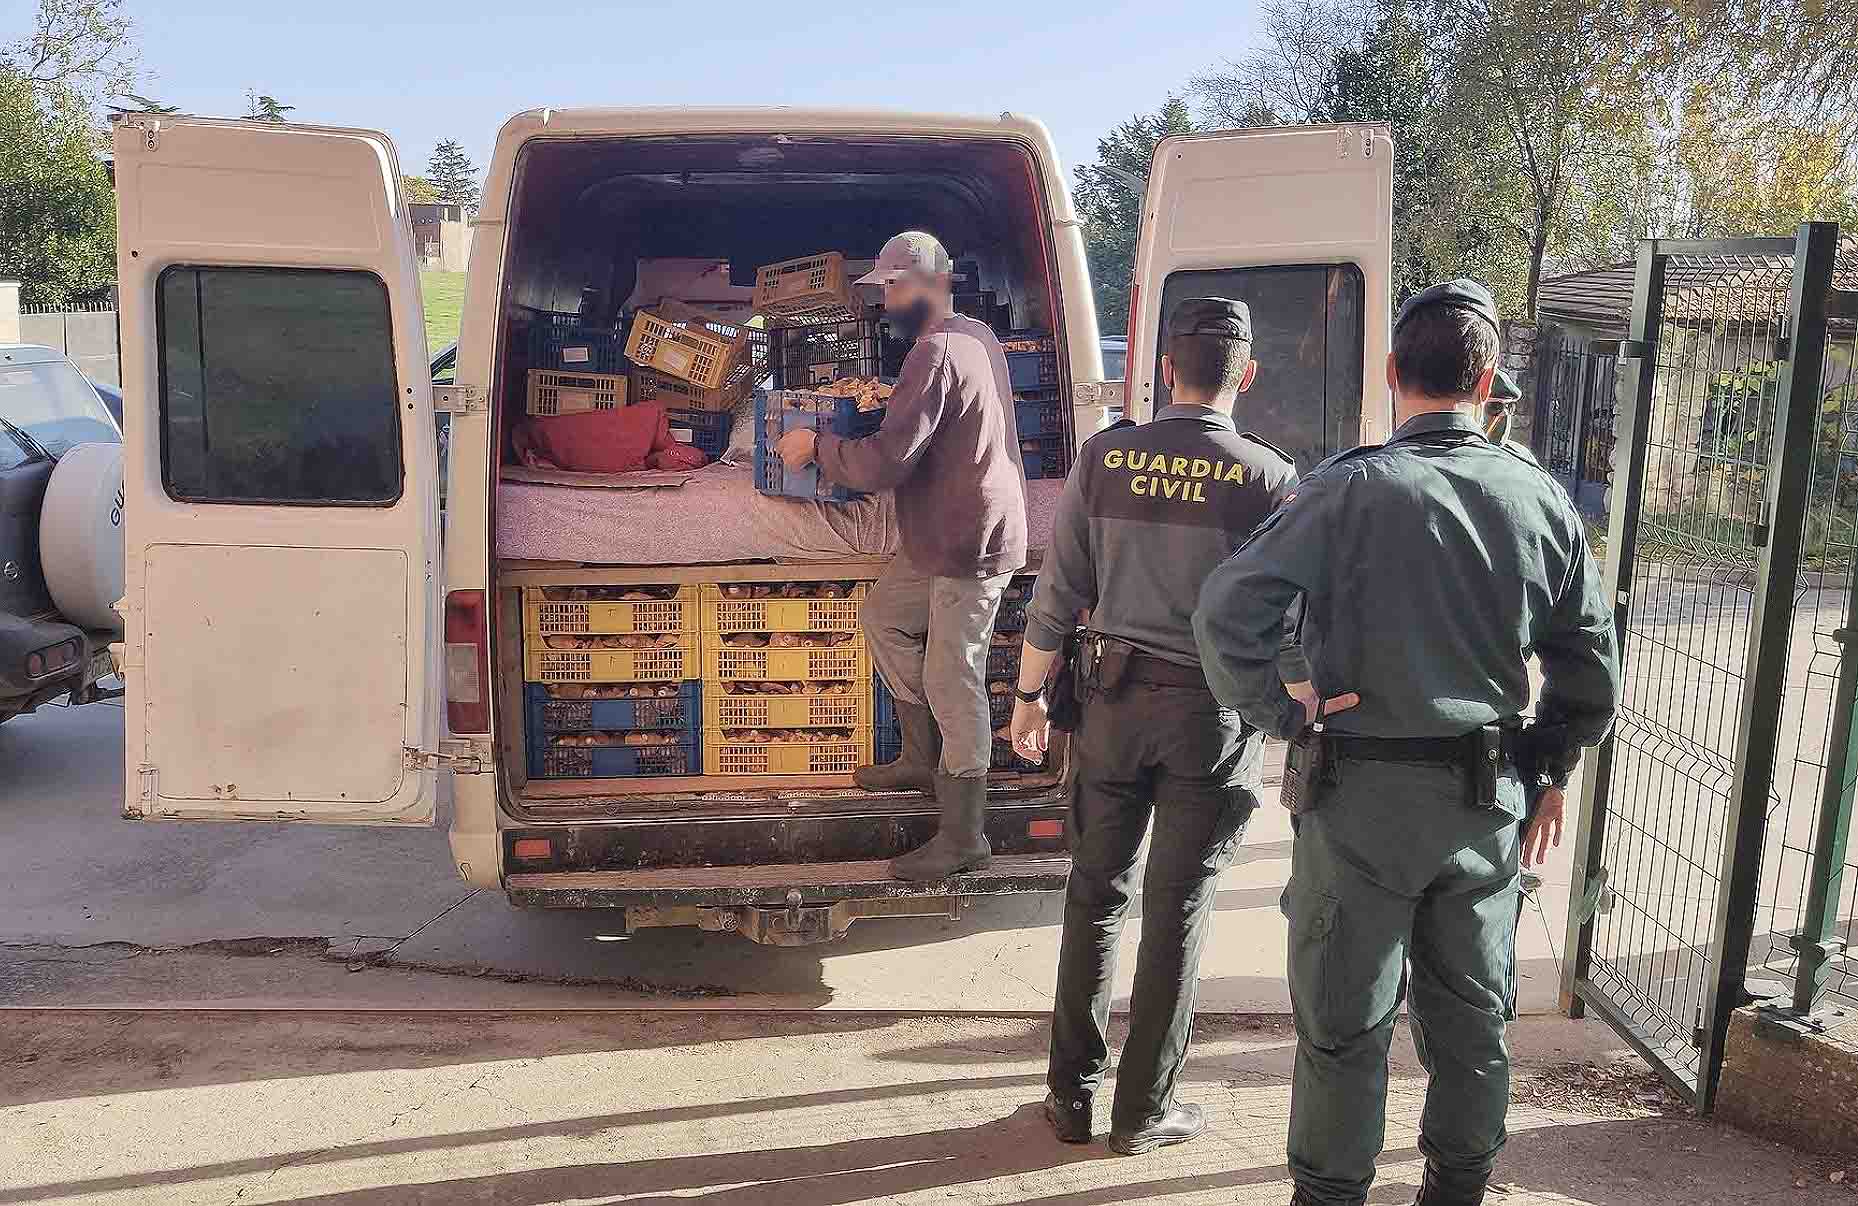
column 1175, row 754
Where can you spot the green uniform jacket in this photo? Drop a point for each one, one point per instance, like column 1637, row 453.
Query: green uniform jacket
column 1431, row 567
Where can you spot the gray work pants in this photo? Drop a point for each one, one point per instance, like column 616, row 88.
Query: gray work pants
column 929, row 638
column 1174, row 754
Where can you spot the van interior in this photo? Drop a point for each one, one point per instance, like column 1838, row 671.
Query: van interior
column 602, row 229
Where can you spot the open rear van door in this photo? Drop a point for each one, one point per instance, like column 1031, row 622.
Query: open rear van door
column 1297, row 223
column 278, row 476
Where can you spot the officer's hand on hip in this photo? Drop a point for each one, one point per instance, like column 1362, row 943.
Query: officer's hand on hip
column 1031, row 728
column 1305, row 694
column 1544, row 832
column 798, row 448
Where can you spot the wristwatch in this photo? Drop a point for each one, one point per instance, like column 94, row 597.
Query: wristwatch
column 1028, row 696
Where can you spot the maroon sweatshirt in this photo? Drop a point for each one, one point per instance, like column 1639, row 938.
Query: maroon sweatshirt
column 949, row 447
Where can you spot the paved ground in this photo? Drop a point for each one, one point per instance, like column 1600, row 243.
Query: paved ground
column 770, row 1110
column 93, row 906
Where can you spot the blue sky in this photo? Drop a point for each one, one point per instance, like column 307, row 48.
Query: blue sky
column 457, row 68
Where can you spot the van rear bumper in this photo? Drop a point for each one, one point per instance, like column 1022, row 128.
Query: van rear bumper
column 796, row 904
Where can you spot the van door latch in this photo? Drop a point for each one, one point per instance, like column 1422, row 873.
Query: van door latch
column 455, row 754
column 150, row 127
column 459, row 400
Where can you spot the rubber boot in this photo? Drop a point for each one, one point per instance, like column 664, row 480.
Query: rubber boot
column 914, row 769
column 959, row 844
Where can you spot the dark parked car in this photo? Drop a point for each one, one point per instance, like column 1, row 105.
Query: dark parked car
column 50, row 420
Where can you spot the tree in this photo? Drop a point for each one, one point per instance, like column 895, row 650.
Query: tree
column 142, row 104
column 1109, row 196
column 419, row 190
column 1571, row 84
column 1759, row 174
column 259, row 107
column 84, row 48
column 454, row 175
column 1374, row 61
column 57, row 208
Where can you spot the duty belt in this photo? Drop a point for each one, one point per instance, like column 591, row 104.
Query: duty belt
column 1107, row 663
column 1481, row 753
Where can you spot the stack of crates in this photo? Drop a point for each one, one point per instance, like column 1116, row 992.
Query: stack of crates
column 1002, row 676
column 786, row 679
column 1032, row 366
column 571, row 343
column 612, row 685
column 780, row 411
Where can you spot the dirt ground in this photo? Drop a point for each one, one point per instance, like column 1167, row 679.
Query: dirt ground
column 394, row 1108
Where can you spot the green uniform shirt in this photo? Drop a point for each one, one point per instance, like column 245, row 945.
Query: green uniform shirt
column 1431, row 567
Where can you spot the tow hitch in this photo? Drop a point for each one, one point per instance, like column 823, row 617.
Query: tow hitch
column 796, row 924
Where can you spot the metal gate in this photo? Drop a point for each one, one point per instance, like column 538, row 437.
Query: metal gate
column 1573, row 432
column 1724, row 369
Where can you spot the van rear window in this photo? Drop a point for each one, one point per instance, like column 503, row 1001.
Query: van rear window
column 277, row 386
column 1307, row 339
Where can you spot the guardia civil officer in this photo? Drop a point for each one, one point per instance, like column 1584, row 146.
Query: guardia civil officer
column 1146, row 513
column 1431, row 567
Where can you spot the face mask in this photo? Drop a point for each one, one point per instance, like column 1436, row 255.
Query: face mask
column 912, row 320
column 1497, row 425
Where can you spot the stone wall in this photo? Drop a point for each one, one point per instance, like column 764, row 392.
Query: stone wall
column 1791, row 1084
column 1518, row 360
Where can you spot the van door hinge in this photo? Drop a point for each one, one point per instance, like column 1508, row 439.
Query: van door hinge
column 455, row 754
column 150, row 127
column 147, row 775
column 459, row 399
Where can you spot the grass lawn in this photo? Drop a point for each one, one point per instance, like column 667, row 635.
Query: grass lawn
column 444, row 294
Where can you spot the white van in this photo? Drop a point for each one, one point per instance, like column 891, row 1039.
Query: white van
column 304, row 645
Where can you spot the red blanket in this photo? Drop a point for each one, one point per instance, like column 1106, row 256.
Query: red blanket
column 626, row 440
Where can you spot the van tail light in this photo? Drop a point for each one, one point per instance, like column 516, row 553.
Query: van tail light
column 1051, row 828
column 467, row 662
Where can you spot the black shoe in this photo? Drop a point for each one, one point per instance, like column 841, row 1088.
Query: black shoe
column 1178, row 1125
column 1433, row 1190
column 1070, row 1119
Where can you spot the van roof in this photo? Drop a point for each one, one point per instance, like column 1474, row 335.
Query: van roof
column 775, row 119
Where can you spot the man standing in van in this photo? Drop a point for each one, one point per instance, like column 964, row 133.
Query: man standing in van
column 949, row 449
column 1146, row 515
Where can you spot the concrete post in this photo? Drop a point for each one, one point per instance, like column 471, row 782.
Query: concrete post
column 9, row 311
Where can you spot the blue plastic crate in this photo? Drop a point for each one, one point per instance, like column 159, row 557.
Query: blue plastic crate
column 563, row 341
column 1037, row 417
column 549, row 715
column 1032, row 370
column 614, row 761
column 708, row 429
column 779, row 411
column 1003, row 662
column 1042, row 455
column 1012, row 614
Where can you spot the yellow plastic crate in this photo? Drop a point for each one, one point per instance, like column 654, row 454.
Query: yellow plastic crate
column 700, row 356
column 558, row 393
column 544, row 665
column 721, row 615
column 546, row 617
column 848, row 711
column 721, row 756
column 723, row 663
column 813, row 288
column 650, row 386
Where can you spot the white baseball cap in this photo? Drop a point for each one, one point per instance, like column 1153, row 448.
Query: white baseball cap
column 911, row 251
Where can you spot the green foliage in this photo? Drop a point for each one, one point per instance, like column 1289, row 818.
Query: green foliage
column 419, row 190
column 57, row 209
column 1109, row 203
column 454, row 175
column 75, row 50
column 142, row 104
column 260, row 107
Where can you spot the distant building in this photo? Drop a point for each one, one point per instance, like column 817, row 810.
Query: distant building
column 441, row 235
